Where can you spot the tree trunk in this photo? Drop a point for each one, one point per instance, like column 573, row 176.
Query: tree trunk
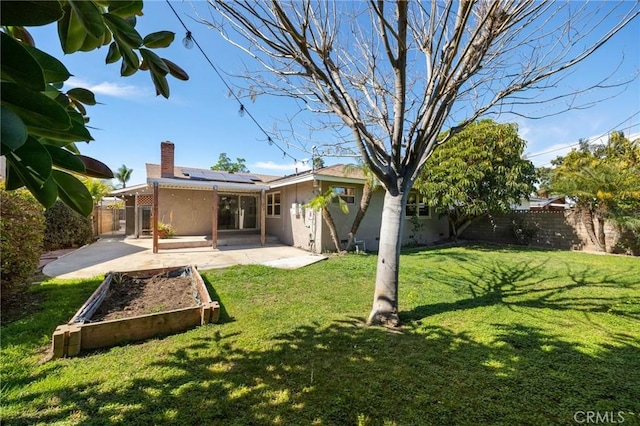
column 590, row 227
column 465, row 224
column 385, row 299
column 364, row 205
column 326, row 215
column 602, row 238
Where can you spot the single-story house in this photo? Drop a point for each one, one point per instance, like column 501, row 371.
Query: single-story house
column 542, row 203
column 216, row 204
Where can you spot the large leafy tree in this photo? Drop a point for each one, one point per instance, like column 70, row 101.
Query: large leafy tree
column 41, row 122
column 604, row 182
column 479, row 171
column 396, row 74
column 225, row 163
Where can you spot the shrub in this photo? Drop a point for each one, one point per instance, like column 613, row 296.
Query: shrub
column 65, row 228
column 21, row 232
column 524, row 234
column 165, row 230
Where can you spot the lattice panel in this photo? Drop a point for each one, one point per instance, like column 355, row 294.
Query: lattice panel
column 145, row 200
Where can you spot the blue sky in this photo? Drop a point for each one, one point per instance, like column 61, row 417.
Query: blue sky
column 202, row 119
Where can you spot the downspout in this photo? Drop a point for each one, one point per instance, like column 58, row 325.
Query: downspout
column 155, row 216
column 263, row 214
column 214, row 219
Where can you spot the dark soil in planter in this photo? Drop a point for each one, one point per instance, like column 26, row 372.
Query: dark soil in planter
column 134, row 296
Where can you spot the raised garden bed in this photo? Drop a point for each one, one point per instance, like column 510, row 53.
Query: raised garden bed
column 137, row 305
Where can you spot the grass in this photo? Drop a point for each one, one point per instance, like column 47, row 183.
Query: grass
column 491, row 335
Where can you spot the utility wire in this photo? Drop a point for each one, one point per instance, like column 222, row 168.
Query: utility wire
column 243, row 110
column 615, row 128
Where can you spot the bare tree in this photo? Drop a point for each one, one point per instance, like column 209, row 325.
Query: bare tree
column 397, row 73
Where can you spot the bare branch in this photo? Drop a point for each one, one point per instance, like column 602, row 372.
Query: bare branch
column 398, row 74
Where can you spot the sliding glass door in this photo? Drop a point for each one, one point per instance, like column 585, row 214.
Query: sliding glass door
column 237, row 212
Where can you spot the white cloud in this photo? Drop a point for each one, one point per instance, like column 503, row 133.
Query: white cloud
column 108, row 88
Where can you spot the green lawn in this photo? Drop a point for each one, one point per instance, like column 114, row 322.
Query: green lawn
column 491, row 336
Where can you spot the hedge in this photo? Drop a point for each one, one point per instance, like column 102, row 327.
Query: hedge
column 21, row 232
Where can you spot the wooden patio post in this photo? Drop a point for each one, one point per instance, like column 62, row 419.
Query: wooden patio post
column 263, row 217
column 214, row 219
column 136, row 228
column 155, row 217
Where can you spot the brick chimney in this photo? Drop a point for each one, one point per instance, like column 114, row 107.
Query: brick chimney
column 166, row 159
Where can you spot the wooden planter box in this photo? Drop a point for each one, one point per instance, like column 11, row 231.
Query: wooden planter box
column 80, row 334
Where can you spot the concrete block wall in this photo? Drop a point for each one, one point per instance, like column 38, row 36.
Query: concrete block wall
column 549, row 229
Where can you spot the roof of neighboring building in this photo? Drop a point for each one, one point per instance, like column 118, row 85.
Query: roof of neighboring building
column 131, row 190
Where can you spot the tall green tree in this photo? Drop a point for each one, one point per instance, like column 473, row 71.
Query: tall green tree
column 98, row 188
column 479, row 171
column 226, row 164
column 123, row 174
column 604, row 182
column 396, row 74
column 41, row 122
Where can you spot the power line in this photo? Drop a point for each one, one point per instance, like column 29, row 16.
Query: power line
column 242, row 109
column 615, row 128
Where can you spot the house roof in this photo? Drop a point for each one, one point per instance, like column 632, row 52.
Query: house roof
column 153, row 172
column 194, row 178
column 337, row 173
column 131, row 190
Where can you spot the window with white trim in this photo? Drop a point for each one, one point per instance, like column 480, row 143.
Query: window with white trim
column 348, row 194
column 417, row 206
column 273, row 204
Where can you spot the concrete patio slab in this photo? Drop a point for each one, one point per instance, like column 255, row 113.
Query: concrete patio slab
column 129, row 254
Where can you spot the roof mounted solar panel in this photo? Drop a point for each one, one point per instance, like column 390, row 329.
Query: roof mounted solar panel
column 219, row 176
column 231, row 177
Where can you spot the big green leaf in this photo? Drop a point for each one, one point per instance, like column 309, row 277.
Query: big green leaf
column 30, row 165
column 82, row 95
column 95, row 168
column 13, row 131
column 65, row 159
column 35, row 108
column 124, row 9
column 113, row 54
column 29, row 13
column 129, row 57
column 34, row 156
column 76, row 133
column 46, row 192
column 126, row 70
column 160, row 82
column 71, row 31
column 158, row 39
column 73, row 193
column 176, row 71
column 17, row 64
column 90, row 16
column 122, row 30
column 54, row 70
column 154, row 62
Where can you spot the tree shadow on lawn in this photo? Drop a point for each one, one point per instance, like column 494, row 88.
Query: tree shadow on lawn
column 527, row 284
column 345, row 373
